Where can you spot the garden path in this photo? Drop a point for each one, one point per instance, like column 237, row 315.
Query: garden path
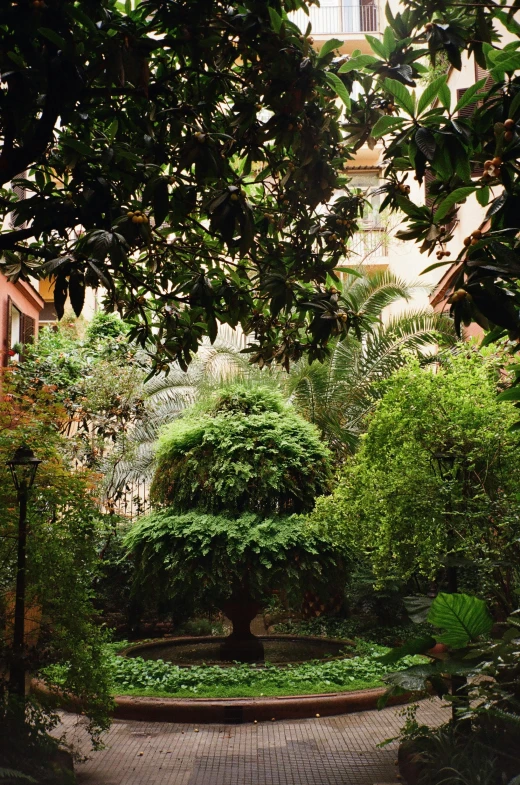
column 337, row 750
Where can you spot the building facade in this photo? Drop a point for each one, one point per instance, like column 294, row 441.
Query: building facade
column 376, row 244
column 20, row 308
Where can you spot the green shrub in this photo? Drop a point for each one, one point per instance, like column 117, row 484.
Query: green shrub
column 206, row 556
column 243, row 450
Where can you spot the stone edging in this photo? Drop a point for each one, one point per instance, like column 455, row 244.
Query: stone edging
column 238, row 710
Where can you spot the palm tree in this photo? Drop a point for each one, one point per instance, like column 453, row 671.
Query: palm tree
column 168, row 394
column 338, row 394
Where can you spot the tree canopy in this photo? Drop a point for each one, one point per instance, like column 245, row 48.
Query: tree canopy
column 243, row 450
column 184, row 156
column 203, row 557
column 435, row 481
column 229, row 474
column 171, row 150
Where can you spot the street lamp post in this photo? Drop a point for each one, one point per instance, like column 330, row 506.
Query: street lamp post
column 23, row 466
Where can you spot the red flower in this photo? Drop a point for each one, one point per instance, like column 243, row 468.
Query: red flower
column 11, row 353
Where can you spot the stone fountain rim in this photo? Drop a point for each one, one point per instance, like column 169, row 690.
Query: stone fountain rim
column 186, row 639
column 226, row 711
column 232, row 711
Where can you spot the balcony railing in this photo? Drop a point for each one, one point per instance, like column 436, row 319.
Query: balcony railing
column 368, row 243
column 334, row 20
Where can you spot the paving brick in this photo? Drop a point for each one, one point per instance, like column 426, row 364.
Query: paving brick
column 338, row 750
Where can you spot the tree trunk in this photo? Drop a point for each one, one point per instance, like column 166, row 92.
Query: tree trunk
column 241, row 645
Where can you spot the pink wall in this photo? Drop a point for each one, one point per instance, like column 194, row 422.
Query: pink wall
column 26, row 299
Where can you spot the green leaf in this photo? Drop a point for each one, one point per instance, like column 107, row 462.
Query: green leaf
column 340, row 89
column 418, row 645
column 357, row 62
column 417, row 607
column 54, row 37
column 413, row 679
column 511, row 394
column 401, row 95
column 329, row 46
column 75, row 144
column 112, row 129
column 483, row 196
column 276, row 20
column 377, row 46
column 445, row 96
column 450, row 201
column 435, row 266
column 515, row 105
column 388, row 42
column 462, row 617
column 431, row 93
column 161, row 203
column 469, row 96
column 385, row 124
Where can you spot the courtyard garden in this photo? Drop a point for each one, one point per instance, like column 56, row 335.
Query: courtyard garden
column 254, row 470
column 373, row 542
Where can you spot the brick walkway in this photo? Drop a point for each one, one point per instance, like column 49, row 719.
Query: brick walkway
column 330, row 751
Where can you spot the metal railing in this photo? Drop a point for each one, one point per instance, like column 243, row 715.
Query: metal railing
column 368, row 243
column 130, row 503
column 334, row 20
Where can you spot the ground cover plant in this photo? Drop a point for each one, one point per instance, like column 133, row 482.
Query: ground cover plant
column 356, row 627
column 136, row 676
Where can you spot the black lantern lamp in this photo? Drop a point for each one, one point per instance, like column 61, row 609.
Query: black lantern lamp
column 23, row 466
column 445, row 461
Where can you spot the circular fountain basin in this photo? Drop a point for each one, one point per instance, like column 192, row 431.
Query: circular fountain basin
column 186, row 652
column 278, row 649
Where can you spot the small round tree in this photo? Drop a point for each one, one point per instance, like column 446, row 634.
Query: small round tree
column 230, row 476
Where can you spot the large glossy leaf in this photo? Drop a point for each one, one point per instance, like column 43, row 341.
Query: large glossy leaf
column 463, row 618
column 385, row 124
column 329, row 46
column 401, row 95
column 450, row 201
column 418, row 645
column 336, row 83
column 430, row 93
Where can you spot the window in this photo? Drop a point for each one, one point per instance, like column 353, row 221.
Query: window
column 15, row 326
column 339, row 16
column 21, row 328
column 368, row 183
column 372, row 238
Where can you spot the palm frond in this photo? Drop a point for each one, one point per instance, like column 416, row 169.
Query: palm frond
column 377, row 290
column 339, row 395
